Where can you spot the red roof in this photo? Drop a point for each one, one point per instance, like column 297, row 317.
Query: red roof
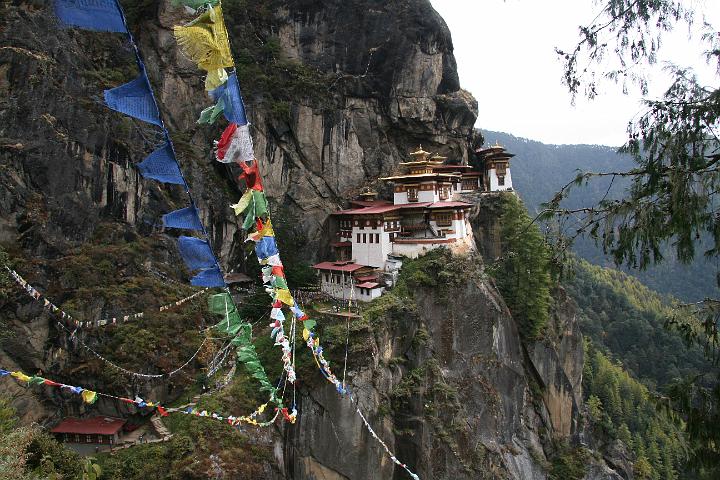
column 339, row 266
column 94, row 425
column 342, row 244
column 368, row 285
column 414, row 205
column 368, row 210
column 390, row 208
column 450, row 205
column 367, row 278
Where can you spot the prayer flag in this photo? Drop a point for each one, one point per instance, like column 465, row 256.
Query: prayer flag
column 134, row 99
column 196, row 253
column 266, row 247
column 243, row 203
column 89, row 396
column 20, row 376
column 215, row 78
column 96, row 15
column 234, row 107
column 205, row 41
column 251, row 175
column 235, row 145
column 210, row 114
column 284, row 296
column 208, row 278
column 186, row 218
column 162, row 166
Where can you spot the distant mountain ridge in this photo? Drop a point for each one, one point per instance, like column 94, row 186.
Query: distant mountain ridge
column 539, row 170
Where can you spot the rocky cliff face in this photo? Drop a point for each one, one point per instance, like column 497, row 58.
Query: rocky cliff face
column 445, row 378
column 449, row 383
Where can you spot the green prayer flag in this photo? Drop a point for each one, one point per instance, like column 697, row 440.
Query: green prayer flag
column 250, row 217
column 35, row 380
column 211, row 114
column 220, row 303
column 279, row 282
column 309, row 324
column 261, row 207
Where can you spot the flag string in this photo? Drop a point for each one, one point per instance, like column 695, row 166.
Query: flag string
column 91, row 396
column 125, row 370
column 38, row 296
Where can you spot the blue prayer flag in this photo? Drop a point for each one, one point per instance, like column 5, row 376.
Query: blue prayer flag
column 210, row 277
column 229, row 92
column 196, row 253
column 96, row 15
column 162, row 166
column 186, row 218
column 266, row 247
column 134, row 99
column 3, row 372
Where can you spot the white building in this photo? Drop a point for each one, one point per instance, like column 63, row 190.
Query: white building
column 425, row 214
column 497, row 168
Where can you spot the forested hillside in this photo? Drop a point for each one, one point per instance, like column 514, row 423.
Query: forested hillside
column 540, row 170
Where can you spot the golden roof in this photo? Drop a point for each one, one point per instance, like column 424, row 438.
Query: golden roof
column 419, row 152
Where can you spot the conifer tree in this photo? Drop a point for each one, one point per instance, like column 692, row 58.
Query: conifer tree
column 523, row 272
column 673, row 198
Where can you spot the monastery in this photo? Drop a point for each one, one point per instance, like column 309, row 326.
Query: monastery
column 427, row 212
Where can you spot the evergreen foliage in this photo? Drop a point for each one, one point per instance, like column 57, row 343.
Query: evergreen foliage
column 523, row 272
column 623, row 409
column 621, row 315
column 540, row 170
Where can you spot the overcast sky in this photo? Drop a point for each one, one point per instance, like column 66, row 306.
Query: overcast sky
column 506, row 59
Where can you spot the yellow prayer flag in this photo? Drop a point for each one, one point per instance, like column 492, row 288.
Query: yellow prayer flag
column 215, row 78
column 205, row 41
column 20, row 376
column 89, row 396
column 243, row 202
column 284, row 296
column 266, row 231
column 306, row 334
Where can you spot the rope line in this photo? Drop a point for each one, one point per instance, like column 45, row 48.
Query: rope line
column 125, row 370
column 37, row 296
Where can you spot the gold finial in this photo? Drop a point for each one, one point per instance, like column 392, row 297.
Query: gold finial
column 420, row 152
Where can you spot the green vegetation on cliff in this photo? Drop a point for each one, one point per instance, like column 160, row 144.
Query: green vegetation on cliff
column 523, row 272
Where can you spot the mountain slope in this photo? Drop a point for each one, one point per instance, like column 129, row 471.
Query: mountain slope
column 540, row 170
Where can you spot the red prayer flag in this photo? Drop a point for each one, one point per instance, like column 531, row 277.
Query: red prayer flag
column 51, row 383
column 224, row 143
column 278, row 271
column 251, row 175
column 162, row 411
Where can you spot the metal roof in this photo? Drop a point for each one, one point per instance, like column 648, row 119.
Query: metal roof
column 339, row 266
column 94, row 425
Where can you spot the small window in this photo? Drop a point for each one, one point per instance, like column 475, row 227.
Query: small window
column 358, row 238
column 371, row 238
column 88, row 438
column 377, row 238
column 77, row 438
column 501, row 180
column 392, row 237
column 364, row 238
